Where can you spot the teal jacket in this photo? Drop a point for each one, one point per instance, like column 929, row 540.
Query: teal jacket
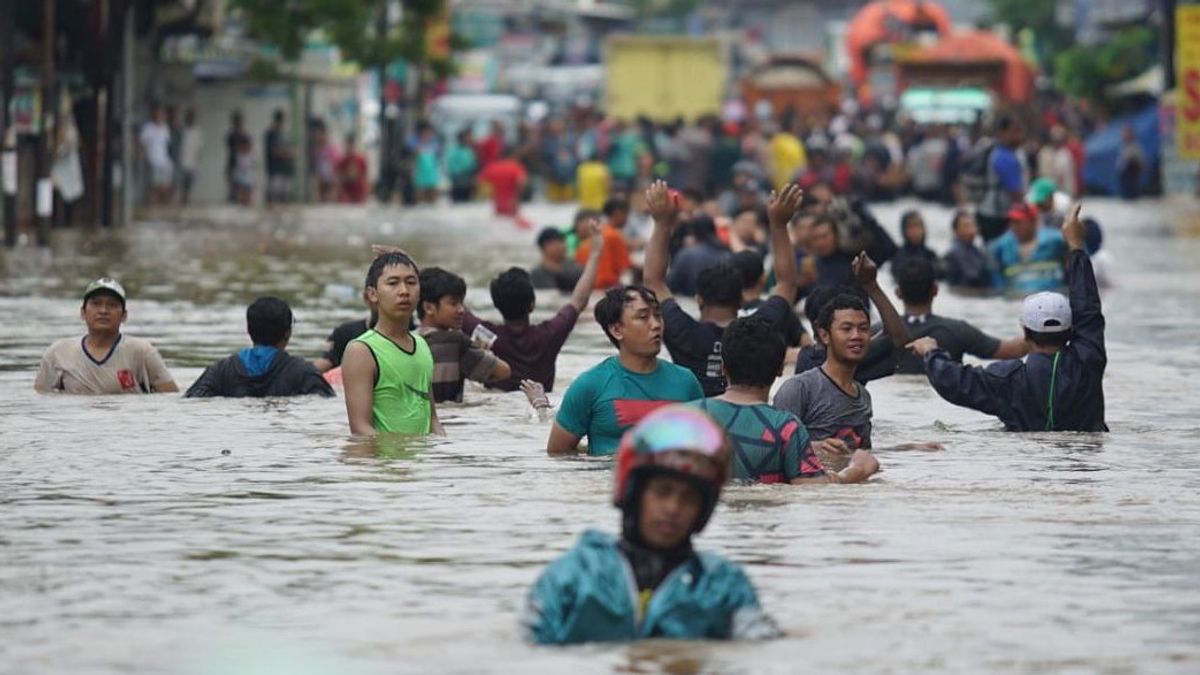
column 589, row 595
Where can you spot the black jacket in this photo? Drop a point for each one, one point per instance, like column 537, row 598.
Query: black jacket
column 287, row 376
column 1018, row 392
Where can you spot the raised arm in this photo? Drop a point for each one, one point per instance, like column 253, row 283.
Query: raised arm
column 1087, row 318
column 665, row 211
column 780, row 211
column 587, row 281
column 865, row 272
column 966, row 386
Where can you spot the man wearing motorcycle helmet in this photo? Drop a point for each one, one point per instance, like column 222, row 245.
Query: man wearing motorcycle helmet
column 649, row 582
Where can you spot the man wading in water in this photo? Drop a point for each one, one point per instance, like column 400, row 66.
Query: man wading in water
column 1060, row 385
column 650, row 582
column 388, row 371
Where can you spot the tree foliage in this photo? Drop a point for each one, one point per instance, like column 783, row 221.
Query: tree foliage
column 1086, row 71
column 1052, row 39
column 352, row 26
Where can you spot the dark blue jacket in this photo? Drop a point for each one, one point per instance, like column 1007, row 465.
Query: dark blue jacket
column 1018, row 392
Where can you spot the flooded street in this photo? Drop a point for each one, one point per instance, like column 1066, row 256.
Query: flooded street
column 134, row 543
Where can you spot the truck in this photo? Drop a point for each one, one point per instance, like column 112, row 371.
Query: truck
column 664, row 78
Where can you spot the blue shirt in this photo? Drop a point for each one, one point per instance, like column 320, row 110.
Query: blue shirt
column 605, row 401
column 1042, row 271
column 589, row 595
column 1008, row 169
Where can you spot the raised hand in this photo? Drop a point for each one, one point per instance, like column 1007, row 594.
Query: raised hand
column 864, row 269
column 662, row 204
column 596, row 235
column 782, row 206
column 1073, row 230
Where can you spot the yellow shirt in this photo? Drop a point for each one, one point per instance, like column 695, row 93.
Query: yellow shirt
column 787, row 157
column 593, row 179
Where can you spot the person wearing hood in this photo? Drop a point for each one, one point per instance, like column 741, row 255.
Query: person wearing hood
column 912, row 228
column 264, row 369
column 649, row 582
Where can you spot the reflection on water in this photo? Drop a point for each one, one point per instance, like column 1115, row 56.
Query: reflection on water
column 152, row 534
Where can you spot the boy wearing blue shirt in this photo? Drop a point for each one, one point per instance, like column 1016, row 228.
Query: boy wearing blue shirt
column 605, row 401
column 650, row 582
column 1029, row 257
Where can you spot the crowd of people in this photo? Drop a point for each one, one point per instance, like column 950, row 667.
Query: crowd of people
column 749, row 255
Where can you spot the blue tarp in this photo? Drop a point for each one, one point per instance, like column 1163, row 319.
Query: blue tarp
column 1104, row 146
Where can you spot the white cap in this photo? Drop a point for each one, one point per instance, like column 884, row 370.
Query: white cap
column 1046, row 312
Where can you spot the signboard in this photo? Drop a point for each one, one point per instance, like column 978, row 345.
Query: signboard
column 1187, row 65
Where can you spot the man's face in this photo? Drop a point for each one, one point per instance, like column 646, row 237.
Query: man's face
column 447, row 314
column 1023, row 229
column 822, row 240
column 619, row 218
column 914, row 231
column 668, row 512
column 1014, row 136
column 966, row 230
column 103, row 313
column 396, row 292
column 848, row 336
column 555, row 250
column 640, row 329
column 745, row 226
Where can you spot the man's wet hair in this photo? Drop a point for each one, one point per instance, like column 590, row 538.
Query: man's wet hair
column 610, row 308
column 512, row 294
column 749, row 266
column 842, row 301
column 268, row 321
column 703, row 228
column 615, row 205
column 1058, row 340
column 720, row 285
column 394, row 259
column 753, row 352
column 437, row 283
column 548, row 235
column 916, row 279
column 821, row 295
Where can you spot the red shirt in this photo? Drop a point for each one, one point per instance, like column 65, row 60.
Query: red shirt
column 488, row 150
column 352, row 177
column 506, row 177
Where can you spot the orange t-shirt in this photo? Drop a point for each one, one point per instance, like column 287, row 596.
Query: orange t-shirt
column 614, row 259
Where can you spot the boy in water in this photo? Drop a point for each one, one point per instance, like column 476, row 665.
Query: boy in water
column 388, row 370
column 650, row 582
column 1060, row 385
column 454, row 357
column 608, row 399
column 769, row 445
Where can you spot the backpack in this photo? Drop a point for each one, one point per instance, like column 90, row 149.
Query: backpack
column 974, row 174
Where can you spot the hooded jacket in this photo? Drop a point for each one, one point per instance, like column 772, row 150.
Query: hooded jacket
column 590, row 595
column 285, row 375
column 1019, row 392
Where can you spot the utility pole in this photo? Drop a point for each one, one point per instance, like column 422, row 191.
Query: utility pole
column 8, row 145
column 45, row 189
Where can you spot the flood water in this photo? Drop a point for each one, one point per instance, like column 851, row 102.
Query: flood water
column 148, row 534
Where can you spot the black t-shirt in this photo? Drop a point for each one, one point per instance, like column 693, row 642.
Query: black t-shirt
column 792, row 328
column 696, row 345
column 275, row 147
column 954, row 336
column 232, row 140
column 341, row 337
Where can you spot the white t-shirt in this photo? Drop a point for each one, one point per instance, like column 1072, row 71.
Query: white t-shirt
column 133, row 366
column 156, row 141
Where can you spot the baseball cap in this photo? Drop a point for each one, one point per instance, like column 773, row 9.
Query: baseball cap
column 1022, row 212
column 1041, row 189
column 1046, row 312
column 104, row 284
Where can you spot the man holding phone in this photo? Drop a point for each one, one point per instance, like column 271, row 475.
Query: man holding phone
column 531, row 350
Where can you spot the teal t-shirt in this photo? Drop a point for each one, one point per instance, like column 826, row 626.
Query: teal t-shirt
column 769, row 445
column 605, row 401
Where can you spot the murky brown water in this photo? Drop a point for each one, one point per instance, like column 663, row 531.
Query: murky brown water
column 132, row 544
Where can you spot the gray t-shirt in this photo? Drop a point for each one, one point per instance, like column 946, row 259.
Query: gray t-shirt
column 826, row 410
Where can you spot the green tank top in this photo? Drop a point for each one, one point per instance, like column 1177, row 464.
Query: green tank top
column 402, row 382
